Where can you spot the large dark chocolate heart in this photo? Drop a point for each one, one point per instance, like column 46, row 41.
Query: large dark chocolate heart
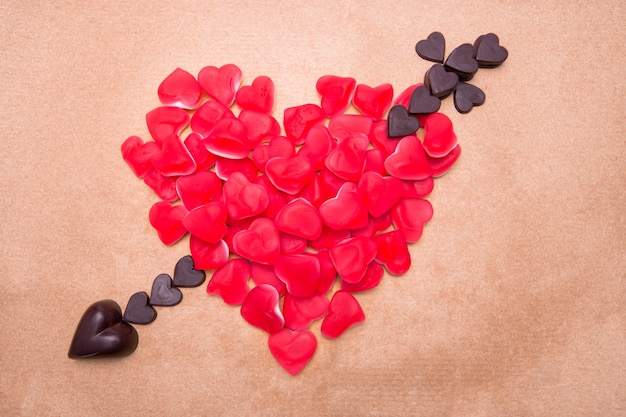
column 440, row 82
column 138, row 310
column 422, row 102
column 101, row 332
column 400, row 123
column 466, row 96
column 163, row 294
column 461, row 61
column 432, row 48
column 185, row 274
column 488, row 52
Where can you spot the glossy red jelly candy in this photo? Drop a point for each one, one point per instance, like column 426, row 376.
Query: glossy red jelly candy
column 410, row 215
column 244, row 199
column 259, row 96
column 393, row 252
column 439, row 166
column 138, row 155
column 373, row 101
column 164, row 187
column 418, row 188
column 167, row 219
column 198, row 188
column 276, row 199
column 317, row 145
column 207, row 255
column 344, row 126
column 347, row 159
column 439, row 136
column 292, row 350
column 301, row 273
column 173, row 159
column 336, row 93
column 165, row 121
column 259, row 243
column 328, row 273
column 207, row 116
column 371, row 279
column 224, row 167
column 344, row 312
column 289, row 175
column 300, row 218
column 352, row 256
column 221, row 83
column 203, row 158
column 404, row 98
column 345, row 211
column 207, row 222
column 381, row 193
column 375, row 162
column 228, row 139
column 277, row 146
column 230, row 281
column 180, row 89
column 291, row 244
column 260, row 127
column 381, row 140
column 300, row 312
column 329, row 238
column 298, row 120
column 264, row 274
column 260, row 308
column 409, row 161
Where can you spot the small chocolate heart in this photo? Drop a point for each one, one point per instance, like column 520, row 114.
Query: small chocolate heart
column 163, row 294
column 488, row 52
column 400, row 123
column 422, row 102
column 138, row 310
column 466, row 96
column 101, row 332
column 185, row 274
column 432, row 48
column 461, row 61
column 440, row 82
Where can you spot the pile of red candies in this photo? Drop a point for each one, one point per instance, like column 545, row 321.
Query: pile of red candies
column 282, row 214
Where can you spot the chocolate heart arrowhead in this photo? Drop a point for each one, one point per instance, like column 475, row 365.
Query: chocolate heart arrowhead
column 432, row 48
column 163, row 294
column 440, row 82
column 138, row 310
column 461, row 61
column 186, row 275
column 466, row 96
column 422, row 102
column 488, row 52
column 400, row 123
column 101, row 332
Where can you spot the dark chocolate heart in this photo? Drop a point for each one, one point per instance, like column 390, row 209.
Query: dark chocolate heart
column 422, row 102
column 138, row 310
column 432, row 48
column 461, row 61
column 440, row 82
column 466, row 96
column 163, row 294
column 101, row 332
column 400, row 123
column 488, row 52
column 185, row 275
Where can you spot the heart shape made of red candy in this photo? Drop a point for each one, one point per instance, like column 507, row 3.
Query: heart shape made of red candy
column 292, row 220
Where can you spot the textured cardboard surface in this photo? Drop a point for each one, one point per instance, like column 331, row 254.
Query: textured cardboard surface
column 514, row 305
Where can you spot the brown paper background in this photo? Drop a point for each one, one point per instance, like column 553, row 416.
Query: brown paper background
column 514, row 305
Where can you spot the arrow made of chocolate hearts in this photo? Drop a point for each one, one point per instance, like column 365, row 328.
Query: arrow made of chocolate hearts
column 324, row 187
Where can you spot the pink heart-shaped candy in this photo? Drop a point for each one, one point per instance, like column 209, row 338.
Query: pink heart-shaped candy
column 292, row 350
column 221, row 83
column 260, row 309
